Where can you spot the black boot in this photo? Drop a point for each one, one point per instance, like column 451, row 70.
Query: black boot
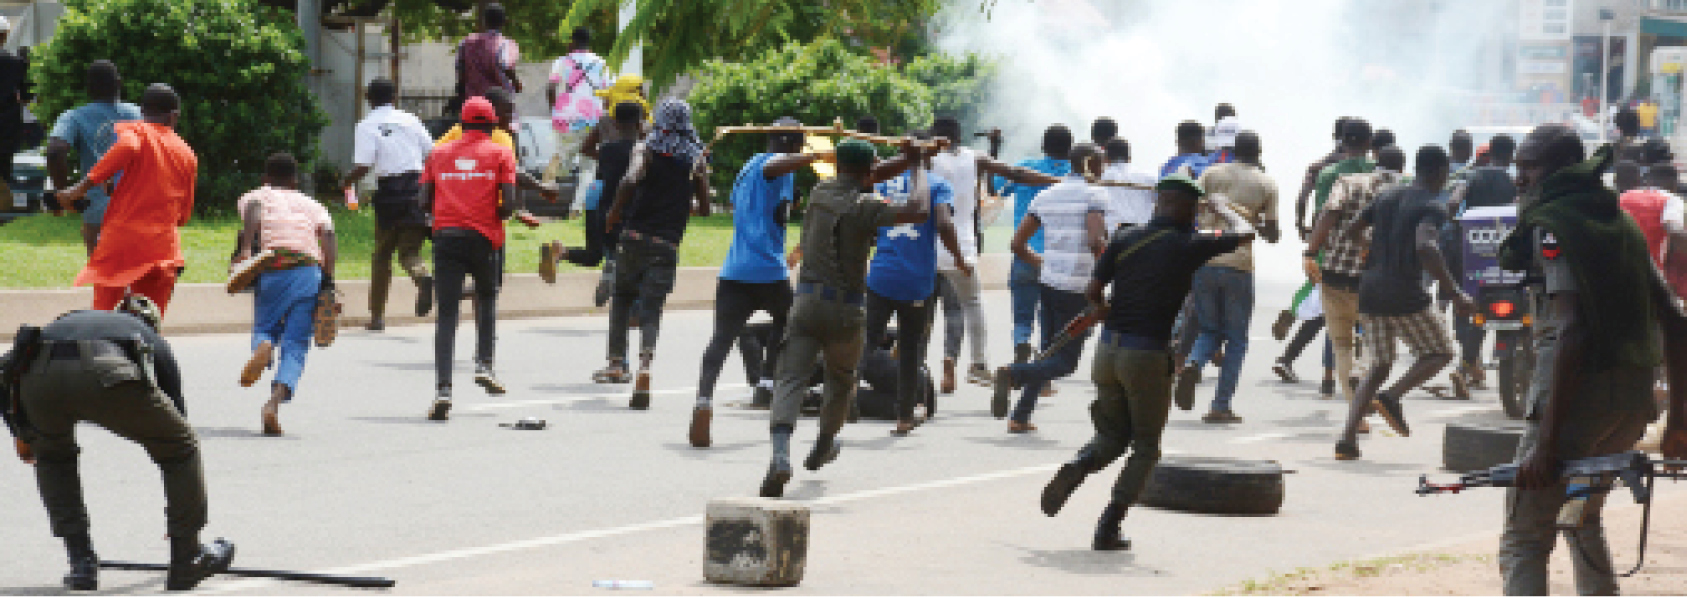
column 1067, row 480
column 824, row 452
column 84, row 572
column 191, row 563
column 1108, row 537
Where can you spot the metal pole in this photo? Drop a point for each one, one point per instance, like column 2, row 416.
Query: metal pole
column 309, row 15
column 634, row 64
column 357, row 71
column 1604, row 82
column 397, row 60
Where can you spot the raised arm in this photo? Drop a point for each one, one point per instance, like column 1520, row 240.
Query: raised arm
column 787, row 163
column 1016, row 174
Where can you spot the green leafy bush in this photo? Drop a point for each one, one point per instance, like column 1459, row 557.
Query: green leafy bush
column 814, row 83
column 958, row 84
column 239, row 67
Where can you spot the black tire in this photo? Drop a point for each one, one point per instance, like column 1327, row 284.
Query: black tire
column 1215, row 486
column 1468, row 447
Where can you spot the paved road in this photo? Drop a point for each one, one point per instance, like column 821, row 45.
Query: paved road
column 363, row 484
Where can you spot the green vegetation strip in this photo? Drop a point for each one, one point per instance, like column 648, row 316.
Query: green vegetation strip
column 46, row 252
column 1306, row 581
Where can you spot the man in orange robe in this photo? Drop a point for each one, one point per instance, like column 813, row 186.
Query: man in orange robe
column 140, row 250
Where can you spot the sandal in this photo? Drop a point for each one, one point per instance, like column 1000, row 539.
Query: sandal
column 615, row 372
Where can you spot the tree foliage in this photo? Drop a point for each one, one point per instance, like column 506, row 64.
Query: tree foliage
column 815, row 83
column 239, row 68
column 679, row 35
column 958, row 84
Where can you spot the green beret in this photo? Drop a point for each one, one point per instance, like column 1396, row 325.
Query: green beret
column 1179, row 182
column 855, row 153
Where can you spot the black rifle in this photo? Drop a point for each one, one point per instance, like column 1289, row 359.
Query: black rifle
column 362, row 582
column 1583, row 479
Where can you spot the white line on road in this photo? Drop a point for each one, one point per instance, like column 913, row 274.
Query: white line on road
column 578, row 536
column 1261, row 437
column 1463, row 410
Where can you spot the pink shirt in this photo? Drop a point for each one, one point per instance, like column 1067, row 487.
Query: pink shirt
column 288, row 219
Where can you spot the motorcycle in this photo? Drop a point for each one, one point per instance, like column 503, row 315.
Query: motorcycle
column 1503, row 302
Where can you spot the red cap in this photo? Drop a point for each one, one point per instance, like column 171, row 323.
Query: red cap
column 479, row 111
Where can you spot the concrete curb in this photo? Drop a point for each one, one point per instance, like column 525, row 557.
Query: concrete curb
column 207, row 309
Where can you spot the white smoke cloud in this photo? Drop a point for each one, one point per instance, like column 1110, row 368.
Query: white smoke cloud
column 1291, row 67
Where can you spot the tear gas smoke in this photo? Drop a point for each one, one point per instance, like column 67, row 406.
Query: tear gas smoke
column 1291, row 67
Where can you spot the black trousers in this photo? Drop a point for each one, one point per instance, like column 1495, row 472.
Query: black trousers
column 735, row 302
column 460, row 253
column 599, row 244
column 913, row 318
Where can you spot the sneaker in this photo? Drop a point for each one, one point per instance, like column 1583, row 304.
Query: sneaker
column 1285, row 322
column 1347, row 451
column 778, row 474
column 261, row 358
column 1327, row 388
column 487, row 381
column 978, row 374
column 548, row 255
column 212, row 559
column 700, row 418
column 948, row 386
column 904, row 427
column 1184, row 394
column 84, row 574
column 441, row 410
column 614, row 372
column 1017, row 427
column 824, row 452
column 641, row 391
column 1392, row 412
column 1285, row 372
column 424, row 296
column 1221, row 417
column 999, row 399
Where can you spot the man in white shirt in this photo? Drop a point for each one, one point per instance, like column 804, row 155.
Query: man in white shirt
column 1070, row 215
column 1131, row 200
column 963, row 311
column 575, row 79
column 392, row 144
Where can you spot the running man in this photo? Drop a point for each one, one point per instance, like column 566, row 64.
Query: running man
column 90, row 130
column 963, row 307
column 469, row 187
column 1339, row 270
column 1073, row 215
column 487, row 59
column 140, row 250
column 1150, row 269
column 277, row 217
column 572, row 92
column 1488, row 184
column 610, row 145
column 1191, row 159
column 1023, row 288
column 842, row 221
column 1223, row 292
column 1405, row 224
column 393, row 144
column 754, row 276
column 666, row 180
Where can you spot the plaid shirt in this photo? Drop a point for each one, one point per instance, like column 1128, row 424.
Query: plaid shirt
column 1344, row 255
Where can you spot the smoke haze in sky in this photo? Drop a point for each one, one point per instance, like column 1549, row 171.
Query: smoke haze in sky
column 1291, row 67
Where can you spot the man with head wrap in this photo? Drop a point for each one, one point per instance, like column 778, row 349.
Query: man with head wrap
column 839, row 231
column 666, row 178
column 1595, row 351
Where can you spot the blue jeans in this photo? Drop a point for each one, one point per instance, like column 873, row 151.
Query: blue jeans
column 1224, row 306
column 284, row 314
column 1059, row 308
column 1025, row 291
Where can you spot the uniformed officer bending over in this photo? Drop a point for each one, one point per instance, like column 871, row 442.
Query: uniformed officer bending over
column 113, row 369
column 1600, row 303
column 838, row 233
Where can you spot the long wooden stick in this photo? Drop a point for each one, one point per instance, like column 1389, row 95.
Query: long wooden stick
column 836, row 130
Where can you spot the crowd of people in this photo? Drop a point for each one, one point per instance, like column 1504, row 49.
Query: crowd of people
column 1162, row 261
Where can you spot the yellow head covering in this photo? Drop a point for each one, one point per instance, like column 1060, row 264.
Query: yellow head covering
column 627, row 88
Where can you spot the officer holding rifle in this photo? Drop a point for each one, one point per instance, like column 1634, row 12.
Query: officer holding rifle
column 113, row 369
column 1597, row 350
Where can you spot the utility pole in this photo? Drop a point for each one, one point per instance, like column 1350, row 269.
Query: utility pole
column 1606, row 15
column 634, row 65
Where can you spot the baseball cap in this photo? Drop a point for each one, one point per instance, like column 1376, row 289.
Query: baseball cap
column 479, row 111
column 1179, row 182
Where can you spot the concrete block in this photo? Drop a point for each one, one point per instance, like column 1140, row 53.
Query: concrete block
column 755, row 541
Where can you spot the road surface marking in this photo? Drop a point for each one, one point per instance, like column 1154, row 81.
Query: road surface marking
column 579, row 536
column 1463, row 410
column 1261, row 437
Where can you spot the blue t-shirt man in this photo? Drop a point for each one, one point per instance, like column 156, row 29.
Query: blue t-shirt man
column 757, row 254
column 1196, row 162
column 1024, row 194
column 905, row 263
column 88, row 130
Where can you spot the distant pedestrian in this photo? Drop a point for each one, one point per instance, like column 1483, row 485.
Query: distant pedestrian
column 14, row 95
column 487, row 59
column 89, row 130
column 576, row 78
column 1335, row 258
column 393, row 144
column 1023, row 289
column 1191, row 159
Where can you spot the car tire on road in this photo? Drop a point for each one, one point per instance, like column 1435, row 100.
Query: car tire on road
column 1215, row 485
column 1469, row 447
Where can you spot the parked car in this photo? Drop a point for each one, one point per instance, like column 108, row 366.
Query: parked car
column 29, row 181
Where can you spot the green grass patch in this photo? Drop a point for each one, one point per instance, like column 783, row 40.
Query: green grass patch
column 43, row 251
column 1312, row 580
